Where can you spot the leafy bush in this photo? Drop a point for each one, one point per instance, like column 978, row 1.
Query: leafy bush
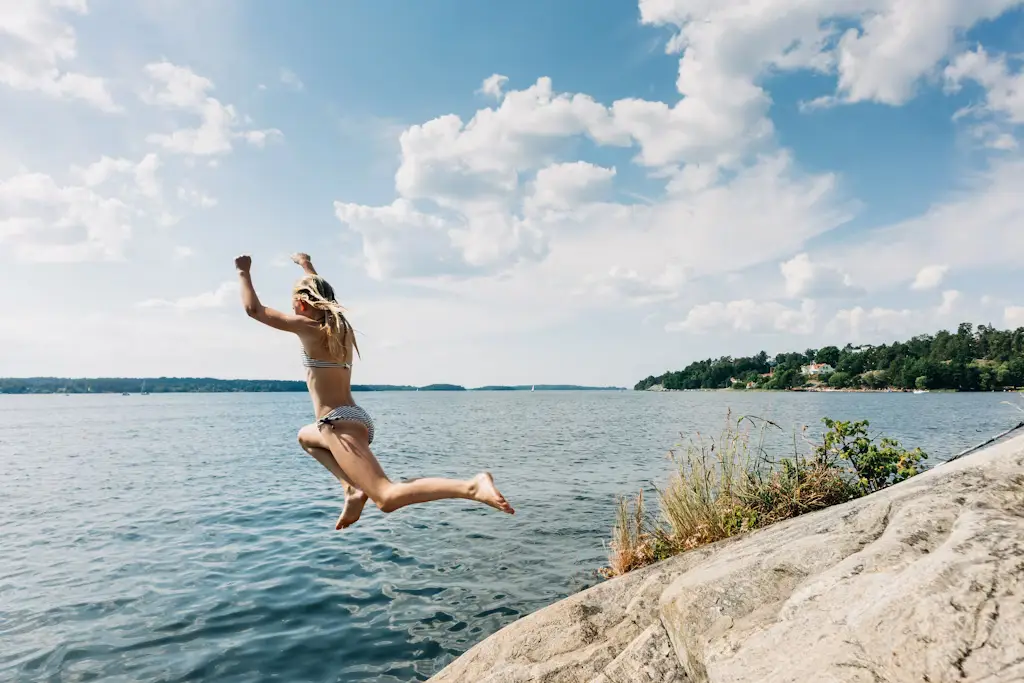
column 875, row 465
column 839, row 380
column 731, row 485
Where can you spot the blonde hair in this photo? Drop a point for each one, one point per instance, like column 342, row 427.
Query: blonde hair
column 319, row 294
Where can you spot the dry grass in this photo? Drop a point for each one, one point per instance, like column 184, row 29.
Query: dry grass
column 722, row 487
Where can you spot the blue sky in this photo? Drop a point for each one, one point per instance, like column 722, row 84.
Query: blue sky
column 586, row 192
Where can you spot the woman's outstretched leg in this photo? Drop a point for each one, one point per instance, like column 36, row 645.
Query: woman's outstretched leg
column 313, row 443
column 348, row 444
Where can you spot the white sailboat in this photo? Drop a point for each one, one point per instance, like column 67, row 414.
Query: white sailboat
column 533, row 388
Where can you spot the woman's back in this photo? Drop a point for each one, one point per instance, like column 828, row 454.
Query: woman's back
column 329, row 380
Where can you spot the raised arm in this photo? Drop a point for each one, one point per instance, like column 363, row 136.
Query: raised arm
column 289, row 322
column 305, row 262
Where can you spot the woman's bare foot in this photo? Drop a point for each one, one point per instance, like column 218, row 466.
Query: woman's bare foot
column 354, row 502
column 485, row 491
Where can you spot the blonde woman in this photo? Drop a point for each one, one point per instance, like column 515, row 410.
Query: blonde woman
column 341, row 436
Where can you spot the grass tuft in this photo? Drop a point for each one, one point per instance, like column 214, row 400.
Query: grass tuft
column 730, row 485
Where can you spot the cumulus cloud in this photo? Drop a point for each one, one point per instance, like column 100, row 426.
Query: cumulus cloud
column 493, row 85
column 900, row 41
column 747, row 315
column 225, row 294
column 566, row 186
column 43, row 221
column 1004, row 90
column 499, row 194
column 869, row 324
column 36, row 47
column 179, row 88
column 487, row 212
column 89, row 217
column 1003, row 107
column 142, row 172
column 929, row 277
column 805, row 279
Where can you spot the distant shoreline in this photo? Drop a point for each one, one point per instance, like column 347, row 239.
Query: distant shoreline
column 208, row 385
column 833, row 390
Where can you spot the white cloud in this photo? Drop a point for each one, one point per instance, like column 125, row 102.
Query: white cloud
column 1004, row 91
column 35, row 45
column 859, row 323
column 46, row 222
column 900, row 41
column 626, row 284
column 472, row 181
column 178, row 87
column 805, row 279
column 1013, row 317
column 399, row 240
column 1003, row 107
column 929, row 277
column 107, row 168
column 89, row 218
column 950, row 299
column 565, row 186
column 225, row 294
column 727, row 45
column 747, row 315
column 290, row 79
column 493, row 85
column 196, row 198
column 450, row 162
column 183, row 252
column 977, row 226
column 869, row 324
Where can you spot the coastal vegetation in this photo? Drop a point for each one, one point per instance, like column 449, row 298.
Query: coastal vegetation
column 731, row 485
column 969, row 359
column 163, row 385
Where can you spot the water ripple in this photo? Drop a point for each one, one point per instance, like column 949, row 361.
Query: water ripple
column 163, row 539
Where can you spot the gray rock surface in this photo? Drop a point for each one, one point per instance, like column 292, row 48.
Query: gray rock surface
column 921, row 582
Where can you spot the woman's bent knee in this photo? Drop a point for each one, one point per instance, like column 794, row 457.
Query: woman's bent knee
column 309, row 437
column 387, row 501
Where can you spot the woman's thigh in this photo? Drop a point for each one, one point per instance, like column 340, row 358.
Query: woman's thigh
column 310, row 437
column 348, row 444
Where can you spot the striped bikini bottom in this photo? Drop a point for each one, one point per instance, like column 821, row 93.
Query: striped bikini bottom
column 348, row 414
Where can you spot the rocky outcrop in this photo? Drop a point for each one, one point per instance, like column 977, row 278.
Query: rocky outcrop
column 921, row 582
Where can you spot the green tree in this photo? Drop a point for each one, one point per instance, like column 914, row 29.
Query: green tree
column 921, row 382
column 967, row 359
column 828, row 355
column 839, row 380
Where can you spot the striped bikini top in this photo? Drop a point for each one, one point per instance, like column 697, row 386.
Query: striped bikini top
column 316, row 363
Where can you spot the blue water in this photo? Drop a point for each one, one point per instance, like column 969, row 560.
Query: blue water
column 187, row 538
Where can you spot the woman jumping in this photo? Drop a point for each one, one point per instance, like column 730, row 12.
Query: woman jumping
column 341, row 436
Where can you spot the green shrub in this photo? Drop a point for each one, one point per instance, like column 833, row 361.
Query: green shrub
column 731, row 485
column 874, row 465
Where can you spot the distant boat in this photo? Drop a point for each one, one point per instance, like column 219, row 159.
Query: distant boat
column 144, row 392
column 920, row 391
column 533, row 388
column 125, row 393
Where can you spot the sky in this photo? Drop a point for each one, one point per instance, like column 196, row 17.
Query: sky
column 582, row 191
